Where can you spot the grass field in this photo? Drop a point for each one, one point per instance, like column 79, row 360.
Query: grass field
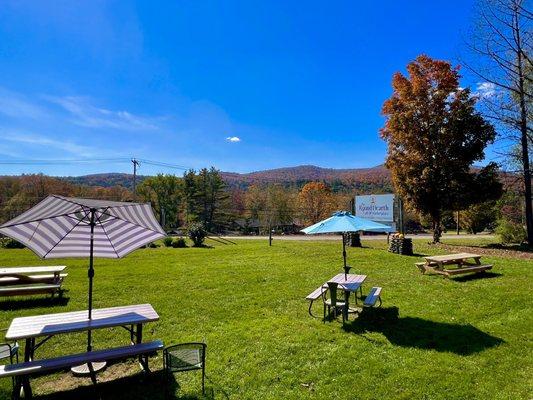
column 433, row 339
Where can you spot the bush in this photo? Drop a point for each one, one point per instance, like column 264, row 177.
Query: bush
column 8, row 243
column 152, row 245
column 197, row 233
column 167, row 242
column 179, row 243
column 511, row 232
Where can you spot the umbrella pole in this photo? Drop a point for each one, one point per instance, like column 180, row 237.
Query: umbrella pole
column 344, row 256
column 91, row 276
column 90, row 368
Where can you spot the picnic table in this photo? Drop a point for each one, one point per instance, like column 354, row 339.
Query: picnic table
column 31, row 280
column 46, row 326
column 32, row 273
column 350, row 283
column 461, row 263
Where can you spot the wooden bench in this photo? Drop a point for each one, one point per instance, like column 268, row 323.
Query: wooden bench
column 22, row 371
column 466, row 270
column 423, row 267
column 314, row 295
column 373, row 296
column 32, row 289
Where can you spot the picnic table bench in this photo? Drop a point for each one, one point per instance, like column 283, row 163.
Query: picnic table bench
column 44, row 327
column 373, row 296
column 349, row 283
column 465, row 263
column 22, row 371
column 17, row 281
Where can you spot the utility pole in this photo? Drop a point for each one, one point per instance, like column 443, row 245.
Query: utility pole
column 135, row 165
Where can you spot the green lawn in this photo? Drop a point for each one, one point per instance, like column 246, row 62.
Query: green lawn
column 433, row 339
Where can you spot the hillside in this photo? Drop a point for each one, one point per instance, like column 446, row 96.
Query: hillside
column 376, row 178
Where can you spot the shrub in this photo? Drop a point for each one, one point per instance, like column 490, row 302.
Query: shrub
column 179, row 243
column 511, row 232
column 197, row 233
column 152, row 245
column 8, row 243
column 167, row 241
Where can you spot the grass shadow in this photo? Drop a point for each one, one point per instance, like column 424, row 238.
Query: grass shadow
column 474, row 277
column 140, row 386
column 525, row 248
column 422, row 334
column 28, row 303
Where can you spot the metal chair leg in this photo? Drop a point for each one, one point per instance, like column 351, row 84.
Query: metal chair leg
column 203, row 379
column 17, row 388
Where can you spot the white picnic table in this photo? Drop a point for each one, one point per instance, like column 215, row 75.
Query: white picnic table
column 349, row 283
column 26, row 272
column 48, row 325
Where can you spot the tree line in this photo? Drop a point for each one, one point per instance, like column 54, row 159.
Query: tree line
column 203, row 197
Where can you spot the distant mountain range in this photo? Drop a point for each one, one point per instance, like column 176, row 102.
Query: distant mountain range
column 375, row 178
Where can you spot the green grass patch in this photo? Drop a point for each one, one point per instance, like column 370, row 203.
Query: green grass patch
column 434, row 338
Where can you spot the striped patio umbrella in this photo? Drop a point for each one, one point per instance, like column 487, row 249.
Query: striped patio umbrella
column 72, row 227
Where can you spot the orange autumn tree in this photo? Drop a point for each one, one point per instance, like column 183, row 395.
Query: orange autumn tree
column 434, row 135
column 315, row 201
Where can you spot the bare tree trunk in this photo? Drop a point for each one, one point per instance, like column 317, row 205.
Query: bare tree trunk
column 524, row 141
column 505, row 49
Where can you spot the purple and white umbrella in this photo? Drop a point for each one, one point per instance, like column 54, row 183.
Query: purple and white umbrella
column 72, row 227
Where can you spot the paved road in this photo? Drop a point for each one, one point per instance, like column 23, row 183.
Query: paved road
column 369, row 237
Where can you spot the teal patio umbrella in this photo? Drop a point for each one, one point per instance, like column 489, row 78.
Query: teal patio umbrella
column 344, row 222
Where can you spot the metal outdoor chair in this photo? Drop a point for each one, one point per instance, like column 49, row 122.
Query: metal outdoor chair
column 9, row 351
column 184, row 357
column 332, row 304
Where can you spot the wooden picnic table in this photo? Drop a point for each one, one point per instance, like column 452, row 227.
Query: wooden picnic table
column 48, row 325
column 463, row 262
column 349, row 283
column 453, row 259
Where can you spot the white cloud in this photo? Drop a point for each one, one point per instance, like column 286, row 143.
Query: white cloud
column 86, row 115
column 486, row 89
column 233, row 139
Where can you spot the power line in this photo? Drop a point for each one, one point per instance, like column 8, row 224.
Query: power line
column 62, row 162
column 90, row 160
column 163, row 164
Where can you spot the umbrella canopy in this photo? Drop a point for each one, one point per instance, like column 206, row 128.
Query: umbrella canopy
column 343, row 222
column 72, row 227
column 61, row 227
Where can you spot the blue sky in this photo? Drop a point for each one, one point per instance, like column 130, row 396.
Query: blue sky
column 241, row 85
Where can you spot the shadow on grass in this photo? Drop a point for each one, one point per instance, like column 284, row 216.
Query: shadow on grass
column 422, row 334
column 28, row 303
column 139, row 386
column 498, row 246
column 474, row 277
column 415, row 255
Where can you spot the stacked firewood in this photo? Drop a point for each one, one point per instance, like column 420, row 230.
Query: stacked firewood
column 401, row 245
